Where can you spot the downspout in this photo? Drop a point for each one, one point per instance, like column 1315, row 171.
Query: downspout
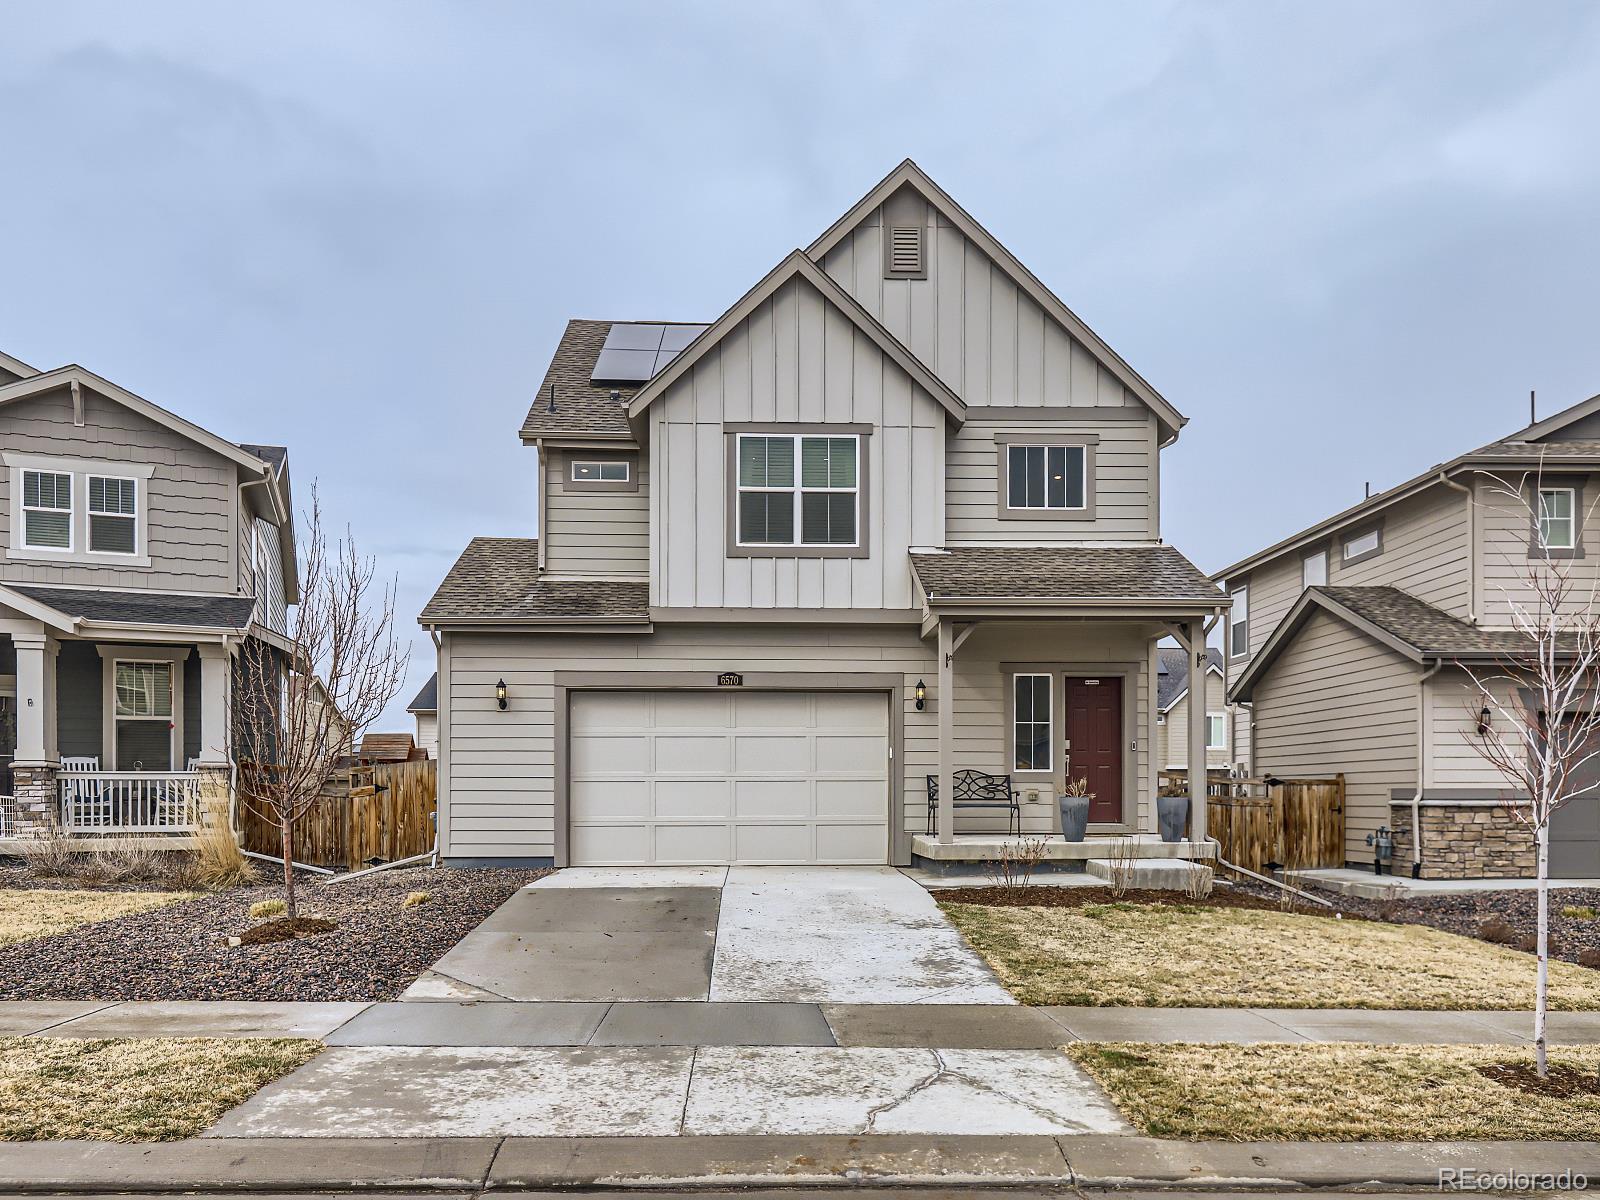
column 1422, row 760
column 1472, row 545
column 544, row 482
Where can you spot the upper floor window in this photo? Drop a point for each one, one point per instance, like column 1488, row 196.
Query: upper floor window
column 1216, row 732
column 1558, row 518
column 798, row 489
column 113, row 515
column 1045, row 477
column 46, row 510
column 1366, row 544
column 1239, row 623
column 1314, row 569
column 584, row 471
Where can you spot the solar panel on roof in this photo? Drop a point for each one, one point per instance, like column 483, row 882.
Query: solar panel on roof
column 629, row 335
column 635, row 351
column 677, row 337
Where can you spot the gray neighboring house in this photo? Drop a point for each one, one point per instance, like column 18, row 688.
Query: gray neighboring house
column 894, row 514
column 1347, row 643
column 1172, row 711
column 424, row 709
column 138, row 554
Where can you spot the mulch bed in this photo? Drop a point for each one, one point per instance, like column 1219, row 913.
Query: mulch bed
column 181, row 951
column 1563, row 1082
column 1466, row 914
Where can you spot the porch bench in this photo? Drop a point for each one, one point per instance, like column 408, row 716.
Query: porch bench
column 977, row 789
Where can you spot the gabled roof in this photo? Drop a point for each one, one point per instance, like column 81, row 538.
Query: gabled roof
column 1063, row 574
column 797, row 265
column 1410, row 627
column 427, row 700
column 497, row 580
column 1172, row 674
column 909, row 173
column 569, row 403
column 387, row 748
column 1520, row 449
column 16, row 366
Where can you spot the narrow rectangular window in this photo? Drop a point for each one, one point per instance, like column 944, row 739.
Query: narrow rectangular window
column 600, row 472
column 113, row 515
column 1031, row 723
column 143, row 716
column 1215, row 737
column 1239, row 623
column 817, row 504
column 1558, row 526
column 1362, row 545
column 1314, row 569
column 1045, row 477
column 46, row 510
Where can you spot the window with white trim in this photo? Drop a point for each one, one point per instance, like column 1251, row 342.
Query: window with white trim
column 1363, row 545
column 46, row 510
column 1216, row 734
column 113, row 515
column 584, row 471
column 798, row 489
column 1045, row 477
column 1031, row 723
column 1558, row 518
column 1239, row 623
column 143, row 716
column 1314, row 569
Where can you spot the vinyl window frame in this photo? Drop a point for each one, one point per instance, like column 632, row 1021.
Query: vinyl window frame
column 17, row 462
column 91, row 512
column 1238, row 623
column 1005, row 439
column 1318, row 555
column 1014, row 725
column 622, row 467
column 561, row 466
column 112, row 654
column 734, row 548
column 1536, row 543
column 1348, row 559
column 26, row 508
column 1221, row 720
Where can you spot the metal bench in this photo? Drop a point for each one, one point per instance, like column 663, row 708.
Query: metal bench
column 977, row 789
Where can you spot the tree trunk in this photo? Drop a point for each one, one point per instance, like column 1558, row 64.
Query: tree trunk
column 286, row 843
column 1541, row 995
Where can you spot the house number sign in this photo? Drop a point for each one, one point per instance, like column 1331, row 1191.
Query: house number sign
column 730, row 679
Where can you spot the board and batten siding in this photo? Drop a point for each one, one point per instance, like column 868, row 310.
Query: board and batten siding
column 599, row 531
column 189, row 502
column 1337, row 702
column 967, row 321
column 1121, row 489
column 498, row 796
column 795, row 359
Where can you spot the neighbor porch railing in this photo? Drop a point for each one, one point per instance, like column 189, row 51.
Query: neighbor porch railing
column 8, row 816
column 129, row 801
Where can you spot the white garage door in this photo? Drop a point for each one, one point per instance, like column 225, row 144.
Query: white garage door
column 728, row 777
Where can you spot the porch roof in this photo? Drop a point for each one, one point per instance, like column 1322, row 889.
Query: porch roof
column 1141, row 575
column 186, row 610
column 497, row 580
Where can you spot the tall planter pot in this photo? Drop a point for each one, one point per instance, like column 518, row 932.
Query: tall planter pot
column 1074, row 817
column 1172, row 814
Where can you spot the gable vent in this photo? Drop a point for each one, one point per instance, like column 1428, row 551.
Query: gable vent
column 905, row 251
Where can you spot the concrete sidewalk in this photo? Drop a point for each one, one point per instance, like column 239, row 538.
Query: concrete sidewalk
column 712, row 1023
column 473, row 1165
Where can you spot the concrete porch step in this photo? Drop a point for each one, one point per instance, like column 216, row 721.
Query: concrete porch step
column 1165, row 874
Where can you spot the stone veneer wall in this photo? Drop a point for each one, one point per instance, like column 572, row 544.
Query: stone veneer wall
column 35, row 792
column 1464, row 841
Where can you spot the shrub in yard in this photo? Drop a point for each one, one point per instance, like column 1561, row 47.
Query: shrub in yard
column 416, row 899
column 49, row 853
column 1498, row 930
column 267, row 908
column 1578, row 912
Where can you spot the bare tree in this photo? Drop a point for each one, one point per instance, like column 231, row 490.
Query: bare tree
column 1543, row 729
column 298, row 710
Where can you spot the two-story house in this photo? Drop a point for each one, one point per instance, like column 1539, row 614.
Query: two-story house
column 138, row 552
column 1359, row 645
column 895, row 514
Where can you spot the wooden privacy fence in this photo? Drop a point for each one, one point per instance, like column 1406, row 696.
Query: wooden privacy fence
column 379, row 813
column 1292, row 823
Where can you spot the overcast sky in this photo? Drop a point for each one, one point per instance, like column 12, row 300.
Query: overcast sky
column 1345, row 239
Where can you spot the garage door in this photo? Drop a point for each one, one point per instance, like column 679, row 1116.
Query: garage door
column 728, row 777
column 1575, row 830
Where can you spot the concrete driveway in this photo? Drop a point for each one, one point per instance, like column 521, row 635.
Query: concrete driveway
column 810, row 935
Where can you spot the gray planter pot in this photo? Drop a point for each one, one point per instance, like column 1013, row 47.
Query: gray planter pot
column 1074, row 817
column 1172, row 812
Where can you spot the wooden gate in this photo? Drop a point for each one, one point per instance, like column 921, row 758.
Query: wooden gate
column 1293, row 823
column 379, row 813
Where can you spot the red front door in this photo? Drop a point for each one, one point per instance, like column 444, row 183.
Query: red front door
column 1094, row 741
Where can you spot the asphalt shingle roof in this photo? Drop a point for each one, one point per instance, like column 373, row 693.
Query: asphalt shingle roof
column 428, row 698
column 276, row 455
column 1419, row 624
column 498, row 578
column 1546, row 450
column 1063, row 573
column 581, row 407
column 1172, row 677
column 146, row 608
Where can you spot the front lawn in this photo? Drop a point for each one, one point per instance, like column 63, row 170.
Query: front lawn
column 1177, row 955
column 133, row 1089
column 40, row 912
column 1344, row 1092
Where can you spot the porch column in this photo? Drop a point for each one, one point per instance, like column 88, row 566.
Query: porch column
column 33, row 771
column 947, row 710
column 214, row 664
column 1198, row 681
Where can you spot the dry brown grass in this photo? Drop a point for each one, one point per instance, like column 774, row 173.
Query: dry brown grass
column 133, row 1089
column 219, row 862
column 1335, row 1092
column 1182, row 956
column 35, row 913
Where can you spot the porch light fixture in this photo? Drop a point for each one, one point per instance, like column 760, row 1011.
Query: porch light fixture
column 500, row 694
column 1483, row 722
column 922, row 695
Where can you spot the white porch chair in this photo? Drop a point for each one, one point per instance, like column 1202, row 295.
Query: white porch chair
column 85, row 804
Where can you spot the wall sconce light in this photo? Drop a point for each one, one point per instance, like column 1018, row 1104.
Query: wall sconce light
column 1483, row 722
column 922, row 695
column 500, row 694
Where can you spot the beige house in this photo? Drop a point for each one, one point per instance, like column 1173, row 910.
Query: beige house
column 894, row 515
column 139, row 554
column 1172, row 711
column 424, row 709
column 1351, row 644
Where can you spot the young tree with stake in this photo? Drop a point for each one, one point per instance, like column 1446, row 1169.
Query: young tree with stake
column 297, row 713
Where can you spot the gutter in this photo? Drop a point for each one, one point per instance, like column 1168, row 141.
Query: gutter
column 1472, row 544
column 1422, row 759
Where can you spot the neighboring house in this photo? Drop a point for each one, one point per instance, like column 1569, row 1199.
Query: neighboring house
column 337, row 725
column 895, row 513
column 1346, row 641
column 138, row 554
column 1172, row 711
column 425, row 709
column 379, row 748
